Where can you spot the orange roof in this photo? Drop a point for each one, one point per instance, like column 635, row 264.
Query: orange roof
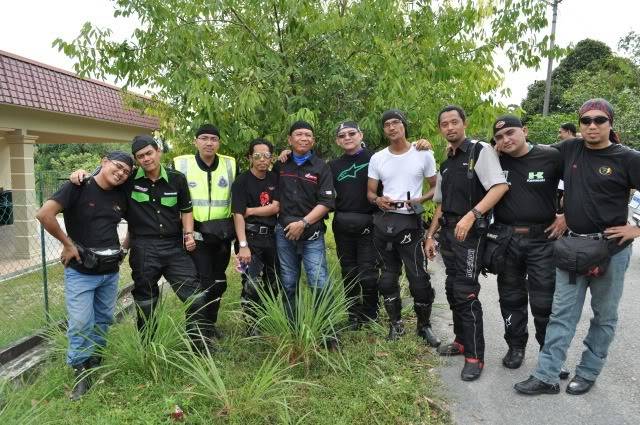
column 30, row 84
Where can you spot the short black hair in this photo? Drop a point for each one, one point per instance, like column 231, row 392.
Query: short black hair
column 260, row 141
column 570, row 127
column 450, row 108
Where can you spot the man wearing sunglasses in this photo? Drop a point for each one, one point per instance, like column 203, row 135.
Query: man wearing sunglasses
column 598, row 174
column 353, row 225
column 255, row 205
column 210, row 176
column 91, row 216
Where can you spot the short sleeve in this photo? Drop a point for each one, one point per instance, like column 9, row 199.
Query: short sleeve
column 429, row 165
column 184, row 196
column 633, row 168
column 488, row 167
column 373, row 171
column 327, row 193
column 67, row 195
column 437, row 195
column 238, row 196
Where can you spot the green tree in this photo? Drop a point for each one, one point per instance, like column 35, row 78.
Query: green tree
column 252, row 67
column 544, row 130
column 63, row 158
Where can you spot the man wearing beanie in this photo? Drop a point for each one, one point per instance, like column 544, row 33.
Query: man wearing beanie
column 210, row 176
column 306, row 197
column 353, row 225
column 520, row 241
column 398, row 229
column 469, row 184
column 91, row 256
column 598, row 174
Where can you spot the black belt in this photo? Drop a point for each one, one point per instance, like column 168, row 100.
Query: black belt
column 256, row 229
column 530, row 231
column 149, row 237
column 449, row 220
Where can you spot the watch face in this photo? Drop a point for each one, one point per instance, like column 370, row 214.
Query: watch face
column 243, row 244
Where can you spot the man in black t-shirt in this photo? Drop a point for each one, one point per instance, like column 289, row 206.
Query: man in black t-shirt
column 526, row 216
column 352, row 225
column 255, row 205
column 598, row 174
column 91, row 255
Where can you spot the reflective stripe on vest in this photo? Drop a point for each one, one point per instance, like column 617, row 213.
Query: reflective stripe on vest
column 214, row 202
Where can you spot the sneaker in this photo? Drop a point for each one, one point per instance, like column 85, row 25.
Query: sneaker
column 534, row 386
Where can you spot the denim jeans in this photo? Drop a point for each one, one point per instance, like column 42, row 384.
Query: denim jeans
column 292, row 254
column 568, row 300
column 91, row 302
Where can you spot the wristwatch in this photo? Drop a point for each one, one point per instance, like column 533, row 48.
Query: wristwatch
column 306, row 223
column 243, row 244
column 477, row 214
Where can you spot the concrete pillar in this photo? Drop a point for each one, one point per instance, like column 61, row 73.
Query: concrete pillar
column 5, row 168
column 25, row 203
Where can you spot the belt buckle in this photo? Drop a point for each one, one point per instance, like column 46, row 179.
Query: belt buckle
column 263, row 230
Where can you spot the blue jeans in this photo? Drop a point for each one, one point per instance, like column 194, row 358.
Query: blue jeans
column 568, row 300
column 311, row 254
column 91, row 302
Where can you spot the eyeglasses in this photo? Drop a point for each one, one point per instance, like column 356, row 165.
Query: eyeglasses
column 349, row 133
column 124, row 169
column 208, row 138
column 599, row 120
column 260, row 155
column 392, row 123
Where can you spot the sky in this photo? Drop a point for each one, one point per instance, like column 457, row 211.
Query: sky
column 29, row 27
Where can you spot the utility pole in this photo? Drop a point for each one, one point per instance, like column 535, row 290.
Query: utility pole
column 547, row 87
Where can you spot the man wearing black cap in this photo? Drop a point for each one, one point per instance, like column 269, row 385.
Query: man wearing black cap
column 306, row 197
column 353, row 224
column 526, row 224
column 598, row 174
column 91, row 255
column 210, row 176
column 469, row 184
column 398, row 229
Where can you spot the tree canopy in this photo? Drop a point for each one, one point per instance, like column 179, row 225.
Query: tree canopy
column 253, row 67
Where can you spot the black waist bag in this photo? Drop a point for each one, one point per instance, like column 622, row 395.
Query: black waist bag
column 215, row 231
column 496, row 242
column 100, row 260
column 585, row 257
column 389, row 225
column 352, row 222
column 311, row 233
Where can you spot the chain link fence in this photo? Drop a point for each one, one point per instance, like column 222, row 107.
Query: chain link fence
column 31, row 275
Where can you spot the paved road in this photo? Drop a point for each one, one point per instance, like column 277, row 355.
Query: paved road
column 615, row 399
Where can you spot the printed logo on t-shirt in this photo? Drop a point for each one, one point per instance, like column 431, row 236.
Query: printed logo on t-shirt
column 536, row 177
column 311, row 177
column 505, row 173
column 351, row 172
column 605, row 171
column 140, row 188
column 265, row 199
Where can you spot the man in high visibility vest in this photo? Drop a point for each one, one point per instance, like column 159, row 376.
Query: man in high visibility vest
column 210, row 176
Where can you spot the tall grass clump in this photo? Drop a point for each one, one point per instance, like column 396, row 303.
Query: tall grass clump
column 15, row 409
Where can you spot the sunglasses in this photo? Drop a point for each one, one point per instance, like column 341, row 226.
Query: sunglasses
column 260, row 155
column 349, row 133
column 599, row 120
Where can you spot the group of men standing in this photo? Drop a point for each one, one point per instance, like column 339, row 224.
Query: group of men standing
column 182, row 224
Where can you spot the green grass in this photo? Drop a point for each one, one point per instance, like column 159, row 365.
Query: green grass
column 249, row 381
column 22, row 309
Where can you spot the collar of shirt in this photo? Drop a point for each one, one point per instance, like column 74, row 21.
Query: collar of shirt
column 464, row 146
column 163, row 173
column 203, row 166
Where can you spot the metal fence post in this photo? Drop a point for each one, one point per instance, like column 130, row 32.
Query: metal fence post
column 43, row 253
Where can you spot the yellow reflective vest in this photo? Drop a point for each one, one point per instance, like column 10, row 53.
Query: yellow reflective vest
column 210, row 201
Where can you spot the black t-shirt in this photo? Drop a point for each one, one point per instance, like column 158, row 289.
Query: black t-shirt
column 350, row 181
column 248, row 191
column 155, row 206
column 597, row 184
column 533, row 184
column 91, row 216
column 302, row 187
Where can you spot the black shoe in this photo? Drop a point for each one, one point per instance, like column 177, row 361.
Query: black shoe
column 534, row 386
column 472, row 369
column 452, row 349
column 82, row 382
column 94, row 361
column 514, row 357
column 578, row 385
column 564, row 372
column 427, row 334
column 396, row 330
